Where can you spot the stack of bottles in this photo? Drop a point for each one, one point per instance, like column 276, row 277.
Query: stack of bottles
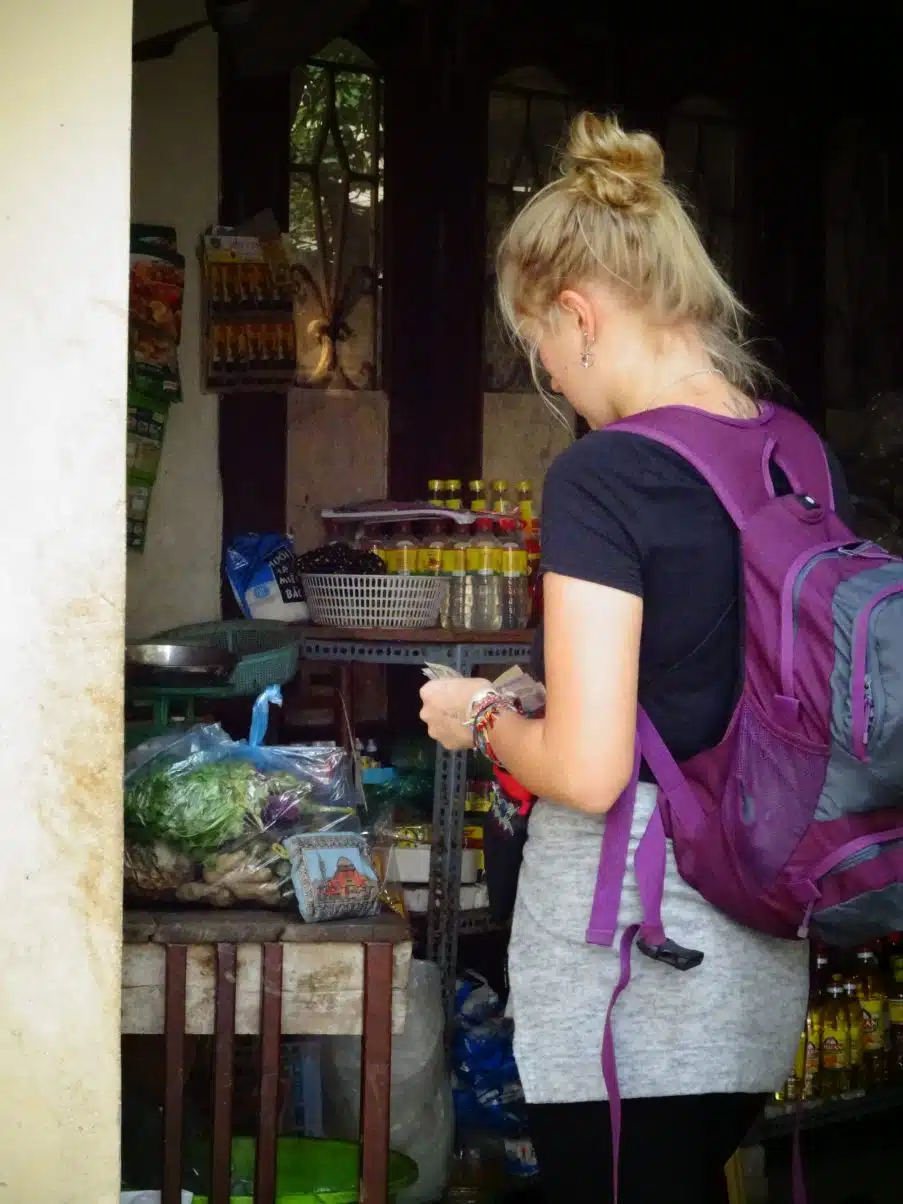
column 853, row 1039
column 490, row 568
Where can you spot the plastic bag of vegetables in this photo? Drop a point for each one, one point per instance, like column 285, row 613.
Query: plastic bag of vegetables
column 206, row 816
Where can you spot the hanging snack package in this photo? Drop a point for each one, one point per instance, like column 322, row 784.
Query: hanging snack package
column 156, row 287
column 263, row 573
column 208, row 818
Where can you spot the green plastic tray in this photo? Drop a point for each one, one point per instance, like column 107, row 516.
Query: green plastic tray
column 268, row 651
column 313, row 1171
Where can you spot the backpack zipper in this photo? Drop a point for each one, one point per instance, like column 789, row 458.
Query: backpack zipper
column 833, row 863
column 861, row 686
column 793, row 587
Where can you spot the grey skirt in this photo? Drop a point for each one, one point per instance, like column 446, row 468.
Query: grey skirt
column 731, row 1025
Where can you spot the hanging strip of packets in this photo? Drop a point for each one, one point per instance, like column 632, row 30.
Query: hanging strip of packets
column 249, row 335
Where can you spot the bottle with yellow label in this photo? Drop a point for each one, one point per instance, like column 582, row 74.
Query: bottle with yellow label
column 479, row 496
column 895, row 1015
column 453, row 495
column 812, row 1069
column 436, row 492
column 498, row 496
column 793, row 1088
column 512, row 562
column 484, row 579
column 854, row 1007
column 429, row 554
column 374, row 542
column 835, row 1043
column 455, row 605
column 402, row 552
column 873, row 995
column 525, row 502
column 895, row 963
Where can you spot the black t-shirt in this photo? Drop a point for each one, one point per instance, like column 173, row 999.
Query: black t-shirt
column 624, row 511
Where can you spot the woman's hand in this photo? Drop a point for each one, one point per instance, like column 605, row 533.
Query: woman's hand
column 445, row 707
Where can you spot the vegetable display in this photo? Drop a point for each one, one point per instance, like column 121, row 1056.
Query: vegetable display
column 206, row 817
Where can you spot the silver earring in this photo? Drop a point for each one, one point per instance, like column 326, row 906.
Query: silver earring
column 587, row 359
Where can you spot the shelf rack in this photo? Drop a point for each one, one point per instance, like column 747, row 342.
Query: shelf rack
column 462, row 651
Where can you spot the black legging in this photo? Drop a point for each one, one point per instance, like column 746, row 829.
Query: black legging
column 673, row 1149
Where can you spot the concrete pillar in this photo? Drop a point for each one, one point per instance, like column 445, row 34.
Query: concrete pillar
column 65, row 100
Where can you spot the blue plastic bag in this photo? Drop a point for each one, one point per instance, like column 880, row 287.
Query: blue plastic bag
column 263, row 573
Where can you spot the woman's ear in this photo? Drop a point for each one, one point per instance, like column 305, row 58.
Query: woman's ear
column 578, row 305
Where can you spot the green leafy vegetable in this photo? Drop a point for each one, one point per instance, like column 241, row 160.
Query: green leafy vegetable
column 198, row 809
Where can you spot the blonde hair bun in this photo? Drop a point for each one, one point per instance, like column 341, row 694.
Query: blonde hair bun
column 606, row 164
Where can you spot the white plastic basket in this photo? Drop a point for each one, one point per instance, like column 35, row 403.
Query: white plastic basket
column 373, row 600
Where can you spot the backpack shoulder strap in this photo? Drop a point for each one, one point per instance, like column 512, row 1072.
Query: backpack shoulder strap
column 735, row 455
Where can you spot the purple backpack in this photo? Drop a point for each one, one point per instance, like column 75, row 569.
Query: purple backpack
column 794, row 822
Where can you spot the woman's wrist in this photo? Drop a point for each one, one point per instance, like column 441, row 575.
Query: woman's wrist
column 485, row 707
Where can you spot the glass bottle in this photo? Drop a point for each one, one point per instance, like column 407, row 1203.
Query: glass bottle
column 812, row 1074
column 854, row 1007
column 872, row 987
column 835, row 1043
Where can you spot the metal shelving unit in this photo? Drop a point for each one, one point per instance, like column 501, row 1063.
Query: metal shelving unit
column 463, row 652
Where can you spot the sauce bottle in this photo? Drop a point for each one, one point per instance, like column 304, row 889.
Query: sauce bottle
column 812, row 1071
column 525, row 502
column 835, row 1043
column 429, row 554
column 512, row 563
column 895, row 1015
column 453, row 495
column 498, row 496
column 454, row 609
column 484, row 579
column 479, row 496
column 851, row 990
column 894, row 946
column 436, row 492
column 373, row 541
column 401, row 552
column 873, row 993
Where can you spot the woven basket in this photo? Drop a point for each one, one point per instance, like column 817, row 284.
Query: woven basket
column 373, row 600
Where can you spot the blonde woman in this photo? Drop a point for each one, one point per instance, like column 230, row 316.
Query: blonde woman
column 604, row 281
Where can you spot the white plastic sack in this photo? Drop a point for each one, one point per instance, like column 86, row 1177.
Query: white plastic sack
column 422, row 1120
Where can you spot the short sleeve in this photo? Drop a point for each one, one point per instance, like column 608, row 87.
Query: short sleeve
column 586, row 526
